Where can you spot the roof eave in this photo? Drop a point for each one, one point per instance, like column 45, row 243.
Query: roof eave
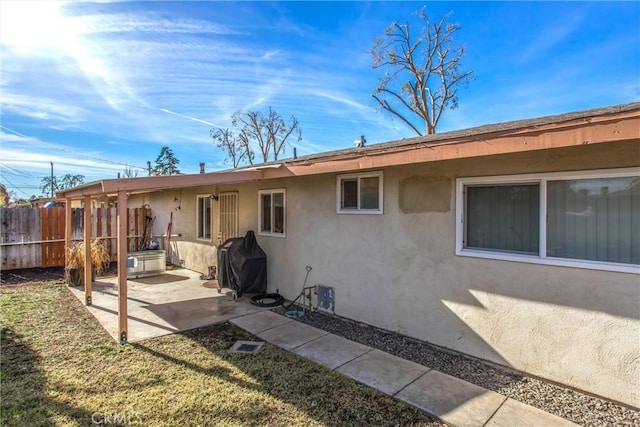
column 157, row 183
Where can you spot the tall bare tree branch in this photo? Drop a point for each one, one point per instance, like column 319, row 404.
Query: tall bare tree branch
column 267, row 134
column 234, row 146
column 422, row 76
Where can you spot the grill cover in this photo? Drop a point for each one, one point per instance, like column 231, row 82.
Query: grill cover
column 242, row 265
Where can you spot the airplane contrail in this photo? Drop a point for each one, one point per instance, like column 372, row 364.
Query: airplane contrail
column 164, row 110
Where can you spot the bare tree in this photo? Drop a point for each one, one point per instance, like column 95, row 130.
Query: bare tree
column 422, row 75
column 130, row 172
column 50, row 185
column 70, row 180
column 269, row 135
column 236, row 147
column 53, row 184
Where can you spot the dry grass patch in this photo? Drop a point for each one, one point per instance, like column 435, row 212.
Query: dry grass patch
column 59, row 367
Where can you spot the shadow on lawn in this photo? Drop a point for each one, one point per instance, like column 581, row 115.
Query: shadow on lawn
column 219, row 372
column 24, row 399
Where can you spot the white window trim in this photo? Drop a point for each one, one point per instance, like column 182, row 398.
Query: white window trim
column 198, row 197
column 284, row 213
column 359, row 211
column 541, row 258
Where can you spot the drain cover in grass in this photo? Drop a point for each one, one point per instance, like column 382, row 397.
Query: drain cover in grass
column 250, row 347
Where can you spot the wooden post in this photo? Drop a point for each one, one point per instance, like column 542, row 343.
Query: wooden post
column 122, row 267
column 67, row 230
column 88, row 266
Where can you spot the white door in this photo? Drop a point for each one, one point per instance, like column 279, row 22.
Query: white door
column 228, row 203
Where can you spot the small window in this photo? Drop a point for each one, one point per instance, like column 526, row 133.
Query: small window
column 203, row 218
column 360, row 193
column 271, row 212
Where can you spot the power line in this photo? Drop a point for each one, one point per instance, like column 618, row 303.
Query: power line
column 15, row 186
column 63, row 148
column 19, row 173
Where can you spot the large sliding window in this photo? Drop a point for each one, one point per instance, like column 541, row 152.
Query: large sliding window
column 586, row 219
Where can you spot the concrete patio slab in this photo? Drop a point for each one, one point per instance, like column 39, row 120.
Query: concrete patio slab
column 452, row 400
column 514, row 413
column 261, row 321
column 177, row 300
column 332, row 351
column 291, row 334
column 383, row 371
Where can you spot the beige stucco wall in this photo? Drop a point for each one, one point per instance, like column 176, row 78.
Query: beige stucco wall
column 399, row 271
column 185, row 249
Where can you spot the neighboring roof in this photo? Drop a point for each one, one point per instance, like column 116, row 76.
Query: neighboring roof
column 609, row 124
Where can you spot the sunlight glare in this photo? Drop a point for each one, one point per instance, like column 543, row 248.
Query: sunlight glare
column 34, row 24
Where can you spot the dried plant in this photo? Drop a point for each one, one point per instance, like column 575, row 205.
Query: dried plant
column 100, row 257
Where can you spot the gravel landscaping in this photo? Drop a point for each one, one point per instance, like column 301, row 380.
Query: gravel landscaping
column 566, row 403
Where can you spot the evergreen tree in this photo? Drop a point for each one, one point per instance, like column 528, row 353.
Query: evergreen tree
column 166, row 163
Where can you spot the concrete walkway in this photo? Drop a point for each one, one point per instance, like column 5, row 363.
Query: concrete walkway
column 449, row 399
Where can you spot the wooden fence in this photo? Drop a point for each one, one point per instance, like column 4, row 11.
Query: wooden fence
column 34, row 237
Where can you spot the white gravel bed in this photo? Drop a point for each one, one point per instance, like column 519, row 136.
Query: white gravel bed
column 564, row 402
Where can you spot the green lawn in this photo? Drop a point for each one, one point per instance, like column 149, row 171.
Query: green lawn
column 58, row 367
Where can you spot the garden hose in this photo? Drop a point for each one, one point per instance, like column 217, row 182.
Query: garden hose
column 308, row 268
column 267, row 300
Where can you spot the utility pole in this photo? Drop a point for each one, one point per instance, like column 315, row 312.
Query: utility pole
column 149, row 166
column 51, row 179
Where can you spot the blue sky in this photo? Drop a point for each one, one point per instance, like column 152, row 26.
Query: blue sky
column 94, row 87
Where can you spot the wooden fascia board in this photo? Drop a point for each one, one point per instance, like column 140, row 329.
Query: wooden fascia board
column 156, row 183
column 542, row 138
column 91, row 189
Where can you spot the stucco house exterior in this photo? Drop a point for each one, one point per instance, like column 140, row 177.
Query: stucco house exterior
column 516, row 243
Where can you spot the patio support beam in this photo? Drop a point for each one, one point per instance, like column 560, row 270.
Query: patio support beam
column 88, row 266
column 67, row 230
column 122, row 268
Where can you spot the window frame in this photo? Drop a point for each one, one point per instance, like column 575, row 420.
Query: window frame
column 198, row 219
column 541, row 257
column 358, row 210
column 271, row 192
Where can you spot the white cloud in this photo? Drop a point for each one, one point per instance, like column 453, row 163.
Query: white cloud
column 32, row 155
column 41, row 108
column 270, row 54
